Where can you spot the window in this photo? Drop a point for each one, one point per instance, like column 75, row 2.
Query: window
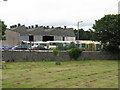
column 31, row 38
column 83, row 45
column 52, row 43
column 91, row 45
column 48, row 38
column 98, row 46
column 63, row 38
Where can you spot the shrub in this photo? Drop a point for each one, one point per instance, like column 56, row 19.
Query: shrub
column 112, row 48
column 60, row 47
column 56, row 52
column 74, row 53
column 72, row 45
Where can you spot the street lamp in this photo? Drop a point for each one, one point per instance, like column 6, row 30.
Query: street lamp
column 78, row 29
column 78, row 32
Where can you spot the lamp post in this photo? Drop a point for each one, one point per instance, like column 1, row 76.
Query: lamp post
column 78, row 32
column 78, row 29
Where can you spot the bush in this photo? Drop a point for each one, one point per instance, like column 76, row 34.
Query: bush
column 112, row 48
column 72, row 45
column 56, row 52
column 60, row 47
column 74, row 53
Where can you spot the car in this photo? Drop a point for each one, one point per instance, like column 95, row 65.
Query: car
column 41, row 47
column 21, row 47
column 38, row 47
column 6, row 47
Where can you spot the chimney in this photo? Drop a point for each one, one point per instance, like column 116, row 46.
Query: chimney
column 47, row 27
column 15, row 26
column 32, row 26
column 23, row 25
column 11, row 26
column 36, row 26
column 28, row 27
column 44, row 27
column 52, row 27
column 65, row 27
column 19, row 24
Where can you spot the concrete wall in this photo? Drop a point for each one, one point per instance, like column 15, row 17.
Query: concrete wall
column 48, row 56
column 12, row 38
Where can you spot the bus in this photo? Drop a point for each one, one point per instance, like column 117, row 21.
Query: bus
column 85, row 45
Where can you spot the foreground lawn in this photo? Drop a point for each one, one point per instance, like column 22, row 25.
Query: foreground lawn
column 71, row 74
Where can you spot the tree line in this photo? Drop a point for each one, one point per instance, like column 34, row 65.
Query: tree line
column 83, row 35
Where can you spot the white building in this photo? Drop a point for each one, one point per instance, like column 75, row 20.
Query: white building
column 44, row 33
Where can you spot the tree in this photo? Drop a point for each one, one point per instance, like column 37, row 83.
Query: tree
column 2, row 30
column 74, row 53
column 107, row 30
column 83, row 35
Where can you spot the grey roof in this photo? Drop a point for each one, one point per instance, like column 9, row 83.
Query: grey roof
column 21, row 29
column 41, row 31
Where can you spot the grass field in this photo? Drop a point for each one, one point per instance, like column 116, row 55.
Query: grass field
column 70, row 74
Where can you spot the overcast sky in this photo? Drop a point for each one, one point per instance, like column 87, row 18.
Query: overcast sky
column 56, row 12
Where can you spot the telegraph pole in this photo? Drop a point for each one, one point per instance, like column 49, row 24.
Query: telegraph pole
column 78, row 29
column 78, row 32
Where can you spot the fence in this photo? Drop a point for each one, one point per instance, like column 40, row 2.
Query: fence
column 10, row 56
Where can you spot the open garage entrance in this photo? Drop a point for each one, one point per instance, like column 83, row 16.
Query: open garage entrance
column 31, row 38
column 48, row 38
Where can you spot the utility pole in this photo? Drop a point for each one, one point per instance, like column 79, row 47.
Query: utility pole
column 78, row 29
column 78, row 32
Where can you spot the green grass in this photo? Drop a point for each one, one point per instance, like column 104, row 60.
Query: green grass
column 70, row 74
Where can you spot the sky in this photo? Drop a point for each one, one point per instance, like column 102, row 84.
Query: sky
column 56, row 12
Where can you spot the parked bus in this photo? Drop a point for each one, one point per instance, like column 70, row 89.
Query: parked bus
column 89, row 45
column 83, row 44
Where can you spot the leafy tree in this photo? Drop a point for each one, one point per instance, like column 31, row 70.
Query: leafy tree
column 72, row 45
column 74, row 53
column 107, row 30
column 83, row 35
column 2, row 30
column 60, row 46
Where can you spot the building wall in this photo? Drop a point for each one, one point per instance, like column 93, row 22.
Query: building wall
column 49, row 56
column 38, row 38
column 60, row 38
column 25, row 38
column 57, row 38
column 69, row 38
column 12, row 38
